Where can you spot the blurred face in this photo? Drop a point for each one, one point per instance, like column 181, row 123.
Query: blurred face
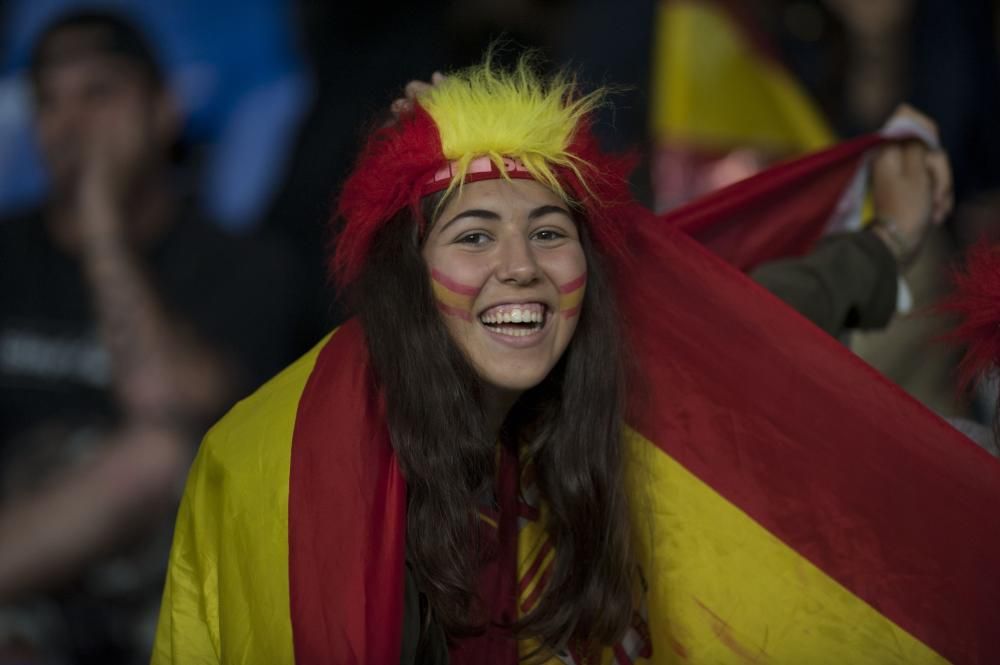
column 85, row 98
column 509, row 273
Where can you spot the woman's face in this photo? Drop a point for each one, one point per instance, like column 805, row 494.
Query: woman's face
column 509, row 273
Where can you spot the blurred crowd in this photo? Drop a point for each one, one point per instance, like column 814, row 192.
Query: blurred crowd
column 167, row 172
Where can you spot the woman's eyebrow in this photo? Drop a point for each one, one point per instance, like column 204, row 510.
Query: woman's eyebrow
column 541, row 211
column 474, row 212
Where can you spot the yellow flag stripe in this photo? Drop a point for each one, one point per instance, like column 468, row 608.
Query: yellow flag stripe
column 714, row 90
column 209, row 573
column 723, row 589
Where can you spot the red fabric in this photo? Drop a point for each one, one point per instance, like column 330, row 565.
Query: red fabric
column 814, row 444
column 346, row 516
column 773, row 414
column 498, row 579
column 732, row 222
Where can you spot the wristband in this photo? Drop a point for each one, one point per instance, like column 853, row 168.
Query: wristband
column 895, row 237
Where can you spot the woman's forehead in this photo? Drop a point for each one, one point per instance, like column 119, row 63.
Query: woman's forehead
column 500, row 196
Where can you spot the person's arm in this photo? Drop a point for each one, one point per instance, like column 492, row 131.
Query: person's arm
column 161, row 370
column 48, row 536
column 849, row 281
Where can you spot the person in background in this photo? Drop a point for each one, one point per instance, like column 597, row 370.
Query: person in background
column 127, row 323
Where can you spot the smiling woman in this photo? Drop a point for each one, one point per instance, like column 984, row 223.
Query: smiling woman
column 506, row 304
column 509, row 364
column 481, row 399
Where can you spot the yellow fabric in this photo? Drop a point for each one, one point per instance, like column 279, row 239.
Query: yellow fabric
column 714, row 90
column 724, row 590
column 486, row 110
column 226, row 596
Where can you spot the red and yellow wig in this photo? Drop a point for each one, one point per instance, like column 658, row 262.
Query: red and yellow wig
column 484, row 111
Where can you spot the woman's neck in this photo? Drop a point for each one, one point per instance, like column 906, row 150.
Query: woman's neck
column 497, row 403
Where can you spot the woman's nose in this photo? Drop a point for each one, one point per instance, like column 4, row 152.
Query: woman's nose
column 517, row 261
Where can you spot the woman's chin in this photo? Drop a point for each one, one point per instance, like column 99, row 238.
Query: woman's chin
column 514, row 380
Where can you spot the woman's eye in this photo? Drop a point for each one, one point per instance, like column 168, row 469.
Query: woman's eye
column 475, row 238
column 547, row 235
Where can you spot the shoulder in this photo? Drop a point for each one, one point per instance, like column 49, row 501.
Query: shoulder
column 255, row 437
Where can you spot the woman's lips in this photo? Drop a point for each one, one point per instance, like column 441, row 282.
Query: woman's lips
column 516, row 324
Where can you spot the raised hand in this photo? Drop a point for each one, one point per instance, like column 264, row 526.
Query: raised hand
column 911, row 188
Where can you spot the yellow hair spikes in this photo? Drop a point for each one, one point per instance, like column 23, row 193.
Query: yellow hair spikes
column 487, row 110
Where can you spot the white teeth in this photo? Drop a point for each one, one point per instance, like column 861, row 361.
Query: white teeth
column 518, row 314
column 514, row 332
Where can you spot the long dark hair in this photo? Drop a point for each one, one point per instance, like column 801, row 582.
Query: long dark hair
column 572, row 423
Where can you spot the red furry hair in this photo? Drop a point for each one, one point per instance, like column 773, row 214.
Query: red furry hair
column 977, row 303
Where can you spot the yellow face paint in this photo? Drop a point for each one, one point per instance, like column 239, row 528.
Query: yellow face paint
column 571, row 296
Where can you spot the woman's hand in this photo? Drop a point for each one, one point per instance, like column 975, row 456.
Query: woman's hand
column 912, row 188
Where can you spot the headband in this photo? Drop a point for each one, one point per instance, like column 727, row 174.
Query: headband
column 480, row 168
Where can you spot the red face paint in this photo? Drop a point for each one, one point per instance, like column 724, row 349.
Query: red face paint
column 453, row 298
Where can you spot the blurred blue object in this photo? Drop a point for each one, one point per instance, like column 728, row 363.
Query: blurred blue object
column 238, row 74
column 22, row 176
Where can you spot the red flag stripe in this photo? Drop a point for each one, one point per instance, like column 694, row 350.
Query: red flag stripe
column 345, row 538
column 799, row 206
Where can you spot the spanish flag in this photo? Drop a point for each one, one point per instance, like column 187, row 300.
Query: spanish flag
column 793, row 506
column 723, row 104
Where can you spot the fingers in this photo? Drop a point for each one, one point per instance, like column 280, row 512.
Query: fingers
column 905, row 112
column 400, row 106
column 931, row 160
column 416, row 88
column 888, row 161
column 413, row 90
column 942, row 191
column 913, row 160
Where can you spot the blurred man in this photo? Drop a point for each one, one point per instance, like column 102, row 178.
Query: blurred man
column 126, row 325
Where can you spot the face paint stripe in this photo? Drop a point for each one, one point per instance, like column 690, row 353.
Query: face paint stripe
column 451, row 299
column 452, row 285
column 571, row 300
column 573, row 285
column 571, row 312
column 454, row 311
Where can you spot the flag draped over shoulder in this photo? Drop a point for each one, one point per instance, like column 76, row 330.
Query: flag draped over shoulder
column 793, row 506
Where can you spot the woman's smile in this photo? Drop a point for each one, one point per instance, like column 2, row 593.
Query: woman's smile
column 517, row 324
